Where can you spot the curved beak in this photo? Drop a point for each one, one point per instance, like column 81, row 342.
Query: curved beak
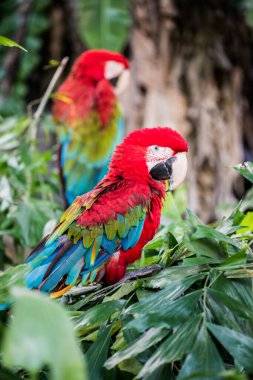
column 174, row 169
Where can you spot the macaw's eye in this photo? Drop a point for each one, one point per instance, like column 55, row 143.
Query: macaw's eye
column 156, row 148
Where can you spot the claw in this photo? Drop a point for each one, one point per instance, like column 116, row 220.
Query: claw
column 140, row 273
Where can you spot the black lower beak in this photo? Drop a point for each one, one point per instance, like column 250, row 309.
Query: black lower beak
column 163, row 170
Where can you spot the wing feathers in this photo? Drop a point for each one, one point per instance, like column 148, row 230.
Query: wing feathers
column 79, row 251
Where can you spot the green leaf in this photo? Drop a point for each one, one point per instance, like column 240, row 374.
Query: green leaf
column 13, row 276
column 204, row 247
column 174, row 276
column 245, row 169
column 8, row 42
column 239, row 258
column 208, row 232
column 125, row 289
column 228, row 225
column 130, row 365
column 203, row 361
column 238, row 345
column 193, row 219
column 96, row 315
column 231, row 303
column 40, row 334
column 174, row 347
column 169, row 314
column 241, row 289
column 142, row 343
column 104, row 24
column 247, row 222
column 31, row 217
column 159, row 300
column 98, row 352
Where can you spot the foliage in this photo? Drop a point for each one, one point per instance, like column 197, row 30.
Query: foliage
column 104, row 24
column 193, row 320
column 245, row 169
column 27, row 187
column 40, row 334
column 10, row 23
column 8, row 42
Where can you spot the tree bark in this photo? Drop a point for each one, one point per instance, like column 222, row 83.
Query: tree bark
column 189, row 62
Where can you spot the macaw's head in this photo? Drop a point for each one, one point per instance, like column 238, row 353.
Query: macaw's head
column 152, row 155
column 100, row 64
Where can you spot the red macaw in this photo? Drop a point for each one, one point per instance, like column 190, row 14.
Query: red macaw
column 105, row 230
column 89, row 119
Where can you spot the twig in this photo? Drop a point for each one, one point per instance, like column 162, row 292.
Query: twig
column 40, row 109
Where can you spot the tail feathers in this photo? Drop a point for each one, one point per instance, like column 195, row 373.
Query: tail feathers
column 62, row 267
column 52, row 262
column 75, row 272
column 37, row 250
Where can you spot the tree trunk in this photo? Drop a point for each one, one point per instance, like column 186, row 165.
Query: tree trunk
column 189, row 60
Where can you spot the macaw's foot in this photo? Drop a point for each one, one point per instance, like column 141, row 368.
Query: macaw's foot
column 78, row 291
column 140, row 273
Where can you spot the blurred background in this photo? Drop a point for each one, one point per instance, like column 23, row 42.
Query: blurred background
column 191, row 69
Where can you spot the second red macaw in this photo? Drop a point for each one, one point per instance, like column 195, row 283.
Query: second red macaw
column 89, row 119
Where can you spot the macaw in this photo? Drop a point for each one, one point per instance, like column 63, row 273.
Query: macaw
column 105, row 230
column 89, row 119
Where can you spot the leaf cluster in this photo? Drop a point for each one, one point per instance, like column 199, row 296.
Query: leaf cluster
column 27, row 187
column 192, row 320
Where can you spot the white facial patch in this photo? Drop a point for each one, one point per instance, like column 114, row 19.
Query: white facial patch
column 113, row 69
column 156, row 154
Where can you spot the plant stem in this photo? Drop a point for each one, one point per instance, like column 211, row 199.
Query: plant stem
column 42, row 105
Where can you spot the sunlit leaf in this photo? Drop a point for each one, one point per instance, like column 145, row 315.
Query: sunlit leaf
column 96, row 315
column 104, row 24
column 40, row 334
column 8, row 42
column 246, row 170
column 13, row 276
column 247, row 223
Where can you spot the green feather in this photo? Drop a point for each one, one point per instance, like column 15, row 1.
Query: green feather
column 87, row 239
column 96, row 231
column 121, row 226
column 111, row 229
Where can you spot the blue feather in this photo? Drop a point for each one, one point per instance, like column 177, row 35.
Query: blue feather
column 35, row 277
column 63, row 266
column 74, row 272
column 109, row 245
column 43, row 253
column 133, row 236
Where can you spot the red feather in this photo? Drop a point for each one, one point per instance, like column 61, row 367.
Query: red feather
column 132, row 150
column 87, row 89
